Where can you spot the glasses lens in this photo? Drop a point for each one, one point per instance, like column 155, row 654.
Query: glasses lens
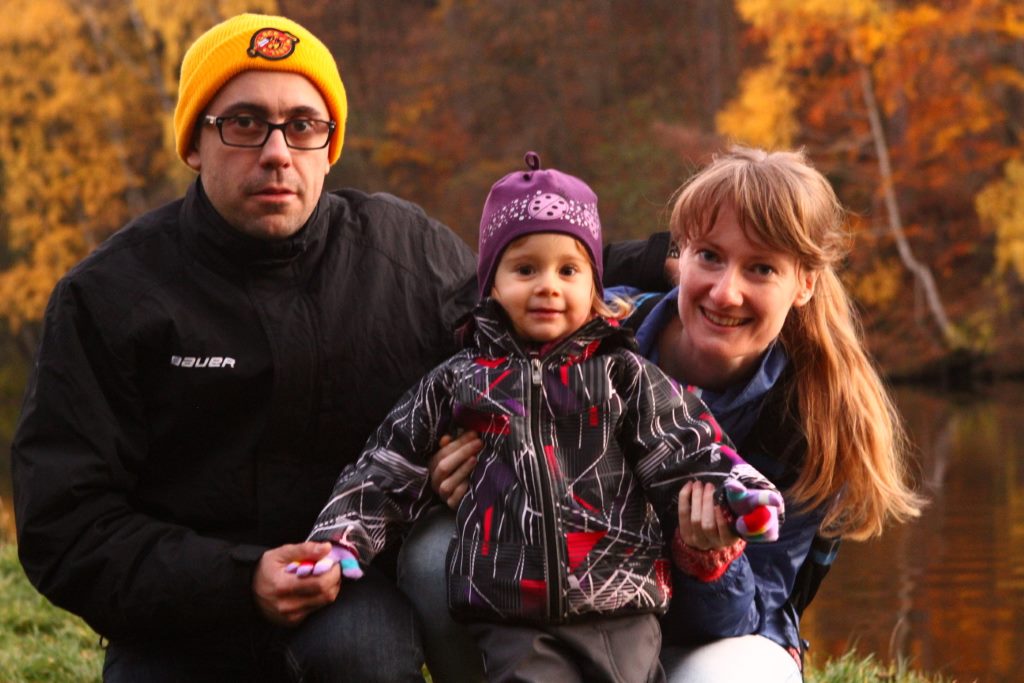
column 307, row 133
column 243, row 130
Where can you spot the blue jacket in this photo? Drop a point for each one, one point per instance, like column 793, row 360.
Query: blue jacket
column 766, row 588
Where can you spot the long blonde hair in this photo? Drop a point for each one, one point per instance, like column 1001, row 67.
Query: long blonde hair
column 857, row 451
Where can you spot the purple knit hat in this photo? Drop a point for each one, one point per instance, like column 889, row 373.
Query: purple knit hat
column 525, row 202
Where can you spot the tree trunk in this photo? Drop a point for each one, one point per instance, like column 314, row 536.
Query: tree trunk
column 920, row 271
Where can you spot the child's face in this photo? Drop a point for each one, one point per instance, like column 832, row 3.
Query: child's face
column 545, row 283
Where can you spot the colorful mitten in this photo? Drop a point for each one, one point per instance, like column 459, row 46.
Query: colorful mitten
column 758, row 512
column 338, row 555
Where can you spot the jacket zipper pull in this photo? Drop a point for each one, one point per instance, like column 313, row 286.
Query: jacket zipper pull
column 535, row 371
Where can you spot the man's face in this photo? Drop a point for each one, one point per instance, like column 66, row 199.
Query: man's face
column 267, row 192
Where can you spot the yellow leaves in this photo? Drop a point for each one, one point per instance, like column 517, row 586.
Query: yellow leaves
column 229, row 8
column 772, row 13
column 85, row 137
column 25, row 288
column 39, row 22
column 794, row 16
column 763, row 113
column 881, row 285
column 1001, row 205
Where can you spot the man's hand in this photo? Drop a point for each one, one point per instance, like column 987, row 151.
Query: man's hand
column 702, row 524
column 339, row 555
column 286, row 599
column 451, row 465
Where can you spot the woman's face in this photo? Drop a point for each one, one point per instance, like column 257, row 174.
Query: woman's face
column 734, row 296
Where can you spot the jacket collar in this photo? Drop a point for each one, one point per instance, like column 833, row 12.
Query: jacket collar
column 213, row 237
column 491, row 332
column 736, row 407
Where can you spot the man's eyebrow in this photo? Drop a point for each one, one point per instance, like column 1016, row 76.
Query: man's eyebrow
column 262, row 111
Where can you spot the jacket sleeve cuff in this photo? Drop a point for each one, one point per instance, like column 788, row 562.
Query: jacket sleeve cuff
column 704, row 565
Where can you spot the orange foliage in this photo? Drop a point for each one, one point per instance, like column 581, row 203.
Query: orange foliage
column 85, row 136
column 949, row 79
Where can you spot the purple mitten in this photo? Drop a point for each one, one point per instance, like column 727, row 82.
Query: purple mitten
column 339, row 555
column 757, row 511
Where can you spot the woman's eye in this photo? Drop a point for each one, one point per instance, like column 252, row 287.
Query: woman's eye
column 763, row 269
column 706, row 255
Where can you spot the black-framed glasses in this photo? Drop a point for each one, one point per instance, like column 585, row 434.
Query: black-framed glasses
column 245, row 130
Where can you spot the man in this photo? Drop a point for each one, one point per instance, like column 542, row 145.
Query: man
column 206, row 374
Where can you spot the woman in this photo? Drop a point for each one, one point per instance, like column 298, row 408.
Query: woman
column 761, row 325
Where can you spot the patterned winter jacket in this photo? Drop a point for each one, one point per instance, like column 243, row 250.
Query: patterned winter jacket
column 586, row 447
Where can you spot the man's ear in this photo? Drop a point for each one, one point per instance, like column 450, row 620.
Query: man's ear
column 193, row 157
column 193, row 154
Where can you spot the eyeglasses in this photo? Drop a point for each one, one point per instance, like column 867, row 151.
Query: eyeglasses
column 244, row 130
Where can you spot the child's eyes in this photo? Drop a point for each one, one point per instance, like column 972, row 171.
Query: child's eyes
column 524, row 270
column 569, row 270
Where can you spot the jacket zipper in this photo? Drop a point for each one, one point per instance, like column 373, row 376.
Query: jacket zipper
column 552, row 539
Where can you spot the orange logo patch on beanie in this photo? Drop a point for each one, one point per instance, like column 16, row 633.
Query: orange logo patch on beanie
column 271, row 43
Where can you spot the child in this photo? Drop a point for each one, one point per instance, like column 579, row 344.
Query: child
column 558, row 559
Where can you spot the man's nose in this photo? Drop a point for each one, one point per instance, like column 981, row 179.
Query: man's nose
column 275, row 151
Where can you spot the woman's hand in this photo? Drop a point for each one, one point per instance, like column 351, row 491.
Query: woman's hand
column 450, row 466
column 702, row 524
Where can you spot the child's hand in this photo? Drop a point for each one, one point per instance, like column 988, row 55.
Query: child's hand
column 339, row 555
column 757, row 511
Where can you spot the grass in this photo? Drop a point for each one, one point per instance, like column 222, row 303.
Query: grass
column 855, row 668
column 39, row 642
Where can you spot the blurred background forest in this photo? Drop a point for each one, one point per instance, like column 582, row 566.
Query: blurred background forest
column 914, row 110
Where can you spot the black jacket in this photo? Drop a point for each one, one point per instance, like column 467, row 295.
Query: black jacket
column 197, row 392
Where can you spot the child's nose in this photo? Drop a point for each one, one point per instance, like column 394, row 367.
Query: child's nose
column 547, row 283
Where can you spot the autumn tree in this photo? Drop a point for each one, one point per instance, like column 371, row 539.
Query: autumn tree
column 911, row 107
column 447, row 96
column 1001, row 204
column 85, row 132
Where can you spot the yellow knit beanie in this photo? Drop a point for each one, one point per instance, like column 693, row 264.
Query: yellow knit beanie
column 255, row 42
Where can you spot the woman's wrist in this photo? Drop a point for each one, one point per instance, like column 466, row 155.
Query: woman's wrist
column 704, row 565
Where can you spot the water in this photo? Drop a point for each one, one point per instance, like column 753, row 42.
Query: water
column 945, row 592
